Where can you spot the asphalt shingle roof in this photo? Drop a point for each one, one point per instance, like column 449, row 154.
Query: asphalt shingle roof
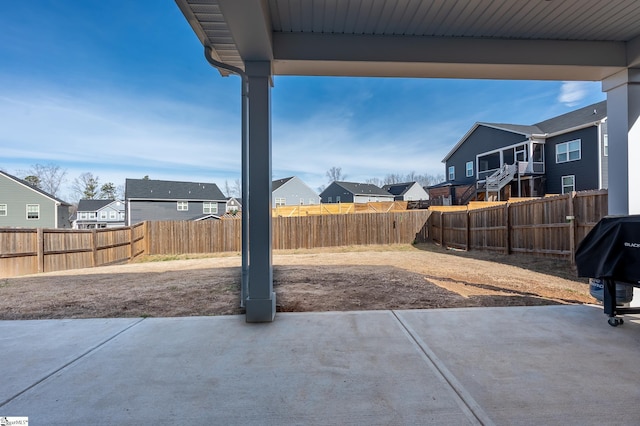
column 278, row 183
column 398, row 188
column 148, row 189
column 362, row 188
column 86, row 205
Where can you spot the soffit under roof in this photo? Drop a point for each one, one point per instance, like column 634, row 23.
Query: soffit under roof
column 537, row 39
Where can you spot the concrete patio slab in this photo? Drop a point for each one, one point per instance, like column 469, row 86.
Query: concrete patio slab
column 31, row 351
column 537, row 365
column 505, row 366
column 332, row 368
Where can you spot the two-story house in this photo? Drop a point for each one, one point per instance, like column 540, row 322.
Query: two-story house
column 23, row 205
column 292, row 191
column 99, row 214
column 353, row 192
column 147, row 199
column 556, row 156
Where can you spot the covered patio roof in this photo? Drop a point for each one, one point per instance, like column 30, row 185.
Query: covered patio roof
column 501, row 39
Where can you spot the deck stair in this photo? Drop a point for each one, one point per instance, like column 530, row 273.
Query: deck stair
column 501, row 177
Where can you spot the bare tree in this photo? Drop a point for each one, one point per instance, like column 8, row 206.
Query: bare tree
column 374, row 181
column 335, row 174
column 237, row 188
column 227, row 188
column 85, row 186
column 48, row 177
column 392, row 178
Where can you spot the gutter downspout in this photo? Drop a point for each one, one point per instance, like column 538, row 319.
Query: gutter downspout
column 244, row 288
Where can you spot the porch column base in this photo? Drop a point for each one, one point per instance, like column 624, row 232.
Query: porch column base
column 260, row 310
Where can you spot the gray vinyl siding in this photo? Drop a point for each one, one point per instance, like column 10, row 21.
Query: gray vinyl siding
column 293, row 191
column 16, row 196
column 333, row 191
column 416, row 192
column 482, row 139
column 585, row 170
column 141, row 210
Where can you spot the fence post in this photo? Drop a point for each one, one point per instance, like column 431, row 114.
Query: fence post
column 442, row 229
column 468, row 231
column 40, row 249
column 147, row 238
column 94, row 247
column 507, row 230
column 572, row 227
column 130, row 242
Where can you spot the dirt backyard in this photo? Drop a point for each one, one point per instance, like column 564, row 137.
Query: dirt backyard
column 338, row 279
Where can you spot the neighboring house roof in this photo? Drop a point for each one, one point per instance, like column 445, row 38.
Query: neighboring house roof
column 148, row 189
column 278, row 183
column 34, row 188
column 398, row 188
column 362, row 188
column 585, row 116
column 205, row 217
column 86, row 205
column 580, row 117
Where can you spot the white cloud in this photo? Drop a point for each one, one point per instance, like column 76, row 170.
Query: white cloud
column 572, row 92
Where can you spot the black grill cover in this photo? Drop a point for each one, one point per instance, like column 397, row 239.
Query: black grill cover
column 611, row 250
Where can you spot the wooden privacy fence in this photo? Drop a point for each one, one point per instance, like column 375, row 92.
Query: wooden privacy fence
column 552, row 226
column 170, row 237
column 29, row 251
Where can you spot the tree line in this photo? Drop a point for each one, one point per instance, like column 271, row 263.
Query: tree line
column 335, row 173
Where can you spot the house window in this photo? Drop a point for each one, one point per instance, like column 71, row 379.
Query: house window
column 312, row 201
column 103, row 215
column 3, row 209
column 338, row 199
column 92, row 215
column 605, row 145
column 281, row 201
column 302, row 201
column 112, row 215
column 183, row 206
column 329, row 199
column 469, row 169
column 568, row 151
column 568, row 184
column 210, row 207
column 452, row 172
column 33, row 211
column 121, row 215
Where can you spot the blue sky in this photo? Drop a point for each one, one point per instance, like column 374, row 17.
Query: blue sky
column 121, row 89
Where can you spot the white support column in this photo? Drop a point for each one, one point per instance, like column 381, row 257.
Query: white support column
column 623, row 124
column 261, row 301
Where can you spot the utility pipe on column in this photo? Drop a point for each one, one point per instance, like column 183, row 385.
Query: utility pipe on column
column 245, row 168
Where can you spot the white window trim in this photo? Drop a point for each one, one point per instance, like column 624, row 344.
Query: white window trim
column 36, row 211
column 112, row 215
column 573, row 177
column 103, row 215
column 182, row 206
column 567, row 145
column 4, row 209
column 469, row 171
column 605, row 145
column 451, row 173
column 281, row 201
column 209, row 207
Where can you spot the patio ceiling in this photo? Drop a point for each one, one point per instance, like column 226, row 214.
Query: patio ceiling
column 502, row 39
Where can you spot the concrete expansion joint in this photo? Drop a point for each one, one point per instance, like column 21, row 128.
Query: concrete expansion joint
column 73, row 361
column 469, row 406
